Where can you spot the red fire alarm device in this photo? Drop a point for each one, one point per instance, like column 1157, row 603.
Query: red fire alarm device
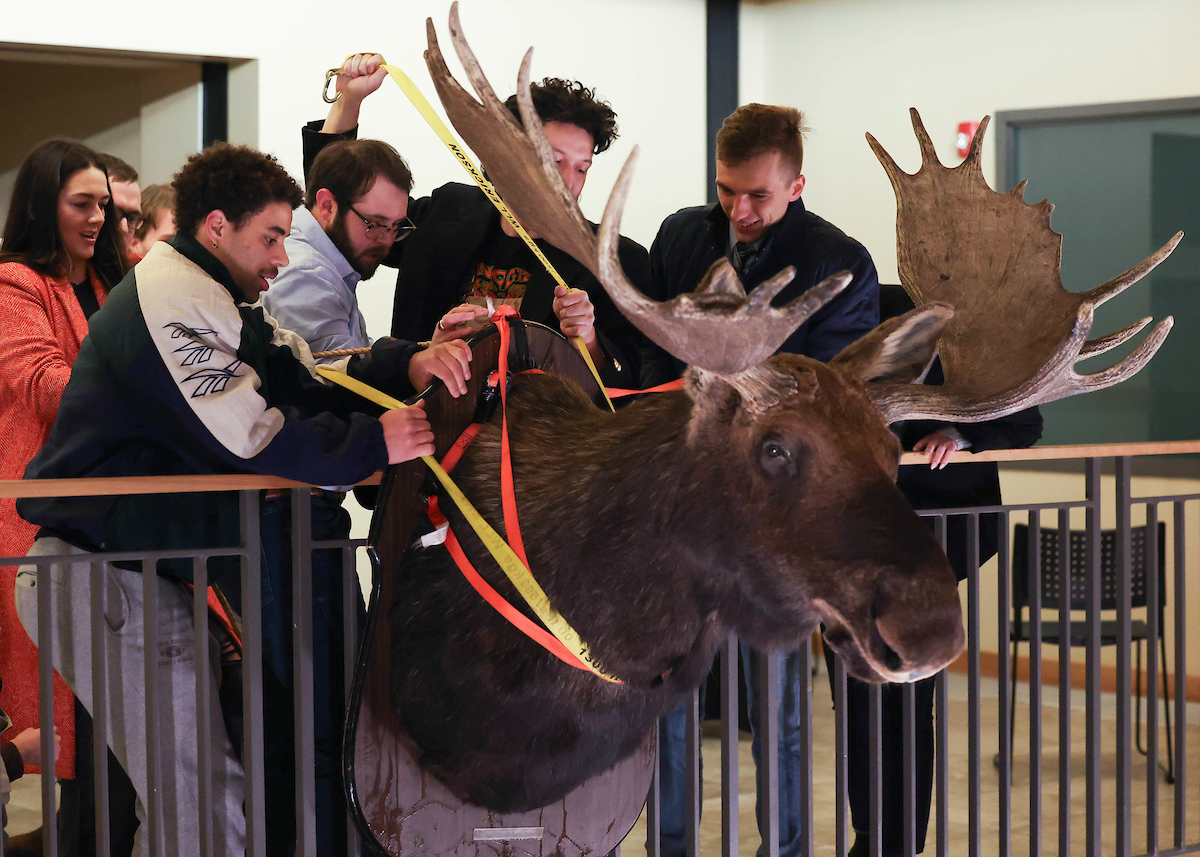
column 966, row 131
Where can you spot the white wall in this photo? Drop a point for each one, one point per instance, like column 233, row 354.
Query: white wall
column 147, row 113
column 857, row 65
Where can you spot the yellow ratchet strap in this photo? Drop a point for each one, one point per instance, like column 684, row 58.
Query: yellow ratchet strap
column 508, row 561
column 426, row 110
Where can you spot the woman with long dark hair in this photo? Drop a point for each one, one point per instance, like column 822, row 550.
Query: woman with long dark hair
column 61, row 254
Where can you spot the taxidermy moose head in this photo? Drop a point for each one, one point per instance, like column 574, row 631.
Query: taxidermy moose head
column 760, row 500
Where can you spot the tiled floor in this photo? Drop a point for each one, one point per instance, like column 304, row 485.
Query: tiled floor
column 959, row 823
column 24, row 811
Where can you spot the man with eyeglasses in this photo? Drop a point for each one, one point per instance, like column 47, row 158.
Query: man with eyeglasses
column 355, row 210
column 127, row 198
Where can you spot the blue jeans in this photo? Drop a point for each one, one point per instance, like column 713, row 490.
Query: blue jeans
column 673, row 773
column 673, row 762
column 329, row 522
column 789, row 744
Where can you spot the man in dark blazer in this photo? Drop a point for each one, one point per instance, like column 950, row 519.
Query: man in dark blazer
column 761, row 226
column 938, row 486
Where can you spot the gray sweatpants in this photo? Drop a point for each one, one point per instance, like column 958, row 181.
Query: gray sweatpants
column 176, row 708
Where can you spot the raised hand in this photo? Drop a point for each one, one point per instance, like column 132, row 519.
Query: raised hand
column 359, row 76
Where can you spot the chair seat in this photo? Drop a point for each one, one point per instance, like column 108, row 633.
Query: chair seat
column 1109, row 632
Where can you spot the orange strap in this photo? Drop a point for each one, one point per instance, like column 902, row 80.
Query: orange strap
column 508, row 497
column 669, row 387
column 522, row 622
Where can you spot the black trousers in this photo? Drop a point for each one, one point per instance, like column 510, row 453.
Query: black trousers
column 858, row 714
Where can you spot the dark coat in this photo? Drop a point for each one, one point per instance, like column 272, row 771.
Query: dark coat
column 438, row 260
column 692, row 239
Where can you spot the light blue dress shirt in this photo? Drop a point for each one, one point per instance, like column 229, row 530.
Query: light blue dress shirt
column 315, row 294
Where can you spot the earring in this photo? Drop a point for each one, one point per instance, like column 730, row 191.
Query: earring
column 214, row 245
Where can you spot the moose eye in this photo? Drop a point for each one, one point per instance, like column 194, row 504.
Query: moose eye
column 775, row 457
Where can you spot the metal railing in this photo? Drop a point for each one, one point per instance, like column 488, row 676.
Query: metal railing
column 1106, row 817
column 1104, row 827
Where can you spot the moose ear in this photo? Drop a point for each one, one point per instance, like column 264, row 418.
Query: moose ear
column 899, row 350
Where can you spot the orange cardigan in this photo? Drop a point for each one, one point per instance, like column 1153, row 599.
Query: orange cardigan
column 42, row 328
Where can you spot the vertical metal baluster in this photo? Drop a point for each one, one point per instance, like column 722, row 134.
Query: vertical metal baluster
column 729, row 747
column 1153, row 630
column 1180, row 663
column 806, row 750
column 973, row 705
column 155, row 839
column 1003, row 668
column 1064, row 679
column 1093, row 734
column 768, row 762
column 1124, row 645
column 252, row 667
column 942, row 742
column 204, row 702
column 302, row 672
column 653, row 805
column 100, row 713
column 692, row 833
column 908, row 701
column 875, row 777
column 942, row 768
column 1034, row 564
column 840, row 743
column 351, row 593
column 45, row 648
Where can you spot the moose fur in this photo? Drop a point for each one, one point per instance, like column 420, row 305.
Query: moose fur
column 656, row 532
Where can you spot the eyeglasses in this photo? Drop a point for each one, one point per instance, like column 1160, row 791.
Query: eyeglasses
column 133, row 218
column 398, row 231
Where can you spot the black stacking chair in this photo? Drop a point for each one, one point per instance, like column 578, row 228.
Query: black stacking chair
column 1051, row 631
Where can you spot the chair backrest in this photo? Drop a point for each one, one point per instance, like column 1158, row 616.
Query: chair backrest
column 1078, row 564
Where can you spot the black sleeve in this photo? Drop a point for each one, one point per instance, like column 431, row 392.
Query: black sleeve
column 621, row 341
column 1016, row 431
column 385, row 367
column 314, row 140
column 847, row 318
column 657, row 366
column 13, row 763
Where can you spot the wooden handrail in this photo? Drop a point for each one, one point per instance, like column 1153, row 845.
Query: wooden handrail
column 1063, row 453
column 245, row 482
column 149, row 485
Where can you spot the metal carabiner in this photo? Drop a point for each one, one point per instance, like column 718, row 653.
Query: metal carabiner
column 330, row 75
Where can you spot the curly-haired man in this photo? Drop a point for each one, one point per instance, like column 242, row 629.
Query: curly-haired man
column 462, row 247
column 181, row 373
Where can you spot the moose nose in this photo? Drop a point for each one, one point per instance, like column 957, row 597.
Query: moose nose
column 918, row 649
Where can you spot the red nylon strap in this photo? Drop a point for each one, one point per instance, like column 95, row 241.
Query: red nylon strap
column 508, row 496
column 522, row 622
column 669, row 387
column 460, row 446
column 518, row 619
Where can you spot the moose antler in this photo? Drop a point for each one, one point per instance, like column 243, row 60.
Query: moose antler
column 717, row 327
column 1016, row 333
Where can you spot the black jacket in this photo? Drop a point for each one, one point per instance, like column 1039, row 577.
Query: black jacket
column 438, row 260
column 692, row 239
column 178, row 375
